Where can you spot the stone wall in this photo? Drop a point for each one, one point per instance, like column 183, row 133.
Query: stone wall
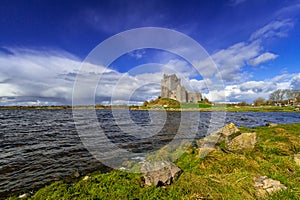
column 194, row 97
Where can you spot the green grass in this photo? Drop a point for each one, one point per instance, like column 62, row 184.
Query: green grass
column 171, row 103
column 201, row 106
column 260, row 109
column 219, row 175
column 195, row 105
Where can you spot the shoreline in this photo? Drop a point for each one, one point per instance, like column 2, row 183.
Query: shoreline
column 277, row 151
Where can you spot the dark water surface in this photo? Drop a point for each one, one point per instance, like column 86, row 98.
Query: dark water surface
column 40, row 146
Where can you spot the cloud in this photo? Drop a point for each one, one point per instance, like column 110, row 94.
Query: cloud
column 38, row 74
column 295, row 83
column 251, row 90
column 137, row 54
column 237, row 2
column 262, row 58
column 46, row 76
column 289, row 11
column 277, row 28
column 31, row 77
column 230, row 61
column 125, row 16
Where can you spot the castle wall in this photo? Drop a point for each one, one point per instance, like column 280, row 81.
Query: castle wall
column 194, row 97
column 181, row 94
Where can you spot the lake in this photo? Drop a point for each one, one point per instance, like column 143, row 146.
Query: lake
column 41, row 146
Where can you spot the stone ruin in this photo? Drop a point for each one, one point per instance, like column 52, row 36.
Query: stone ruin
column 171, row 88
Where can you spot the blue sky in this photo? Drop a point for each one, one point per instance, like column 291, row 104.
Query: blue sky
column 254, row 43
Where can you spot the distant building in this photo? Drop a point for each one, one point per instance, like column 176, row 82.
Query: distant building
column 292, row 101
column 171, row 88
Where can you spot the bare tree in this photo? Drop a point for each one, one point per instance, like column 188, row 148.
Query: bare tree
column 259, row 101
column 281, row 95
column 291, row 94
column 277, row 96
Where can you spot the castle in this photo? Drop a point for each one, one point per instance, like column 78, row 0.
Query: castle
column 171, row 88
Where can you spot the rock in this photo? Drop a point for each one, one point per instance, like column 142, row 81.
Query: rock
column 245, row 141
column 297, row 109
column 22, row 196
column 229, row 131
column 297, row 159
column 160, row 173
column 85, row 178
column 271, row 124
column 224, row 134
column 75, row 174
column 265, row 185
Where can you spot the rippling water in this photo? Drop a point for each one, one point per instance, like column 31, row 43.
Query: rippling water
column 40, row 146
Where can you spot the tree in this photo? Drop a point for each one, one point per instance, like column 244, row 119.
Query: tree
column 291, row 94
column 243, row 103
column 259, row 101
column 298, row 97
column 277, row 95
column 145, row 104
column 205, row 100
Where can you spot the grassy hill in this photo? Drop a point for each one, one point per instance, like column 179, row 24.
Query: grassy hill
column 171, row 103
column 164, row 102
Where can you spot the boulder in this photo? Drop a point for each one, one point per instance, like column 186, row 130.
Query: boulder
column 265, row 185
column 245, row 141
column 227, row 133
column 160, row 173
column 224, row 134
column 229, row 130
column 203, row 151
column 271, row 124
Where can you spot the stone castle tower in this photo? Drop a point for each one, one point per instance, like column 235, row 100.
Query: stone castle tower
column 171, row 88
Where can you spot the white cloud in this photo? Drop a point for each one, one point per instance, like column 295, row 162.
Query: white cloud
column 290, row 11
column 48, row 77
column 180, row 67
column 138, row 54
column 230, row 61
column 7, row 89
column 36, row 73
column 295, row 82
column 262, row 58
column 251, row 90
column 277, row 28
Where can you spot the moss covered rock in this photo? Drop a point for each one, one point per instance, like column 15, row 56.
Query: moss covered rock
column 245, row 141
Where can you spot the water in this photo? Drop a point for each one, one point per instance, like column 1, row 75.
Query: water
column 40, row 146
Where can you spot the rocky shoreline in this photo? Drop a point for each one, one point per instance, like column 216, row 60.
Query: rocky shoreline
column 232, row 162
